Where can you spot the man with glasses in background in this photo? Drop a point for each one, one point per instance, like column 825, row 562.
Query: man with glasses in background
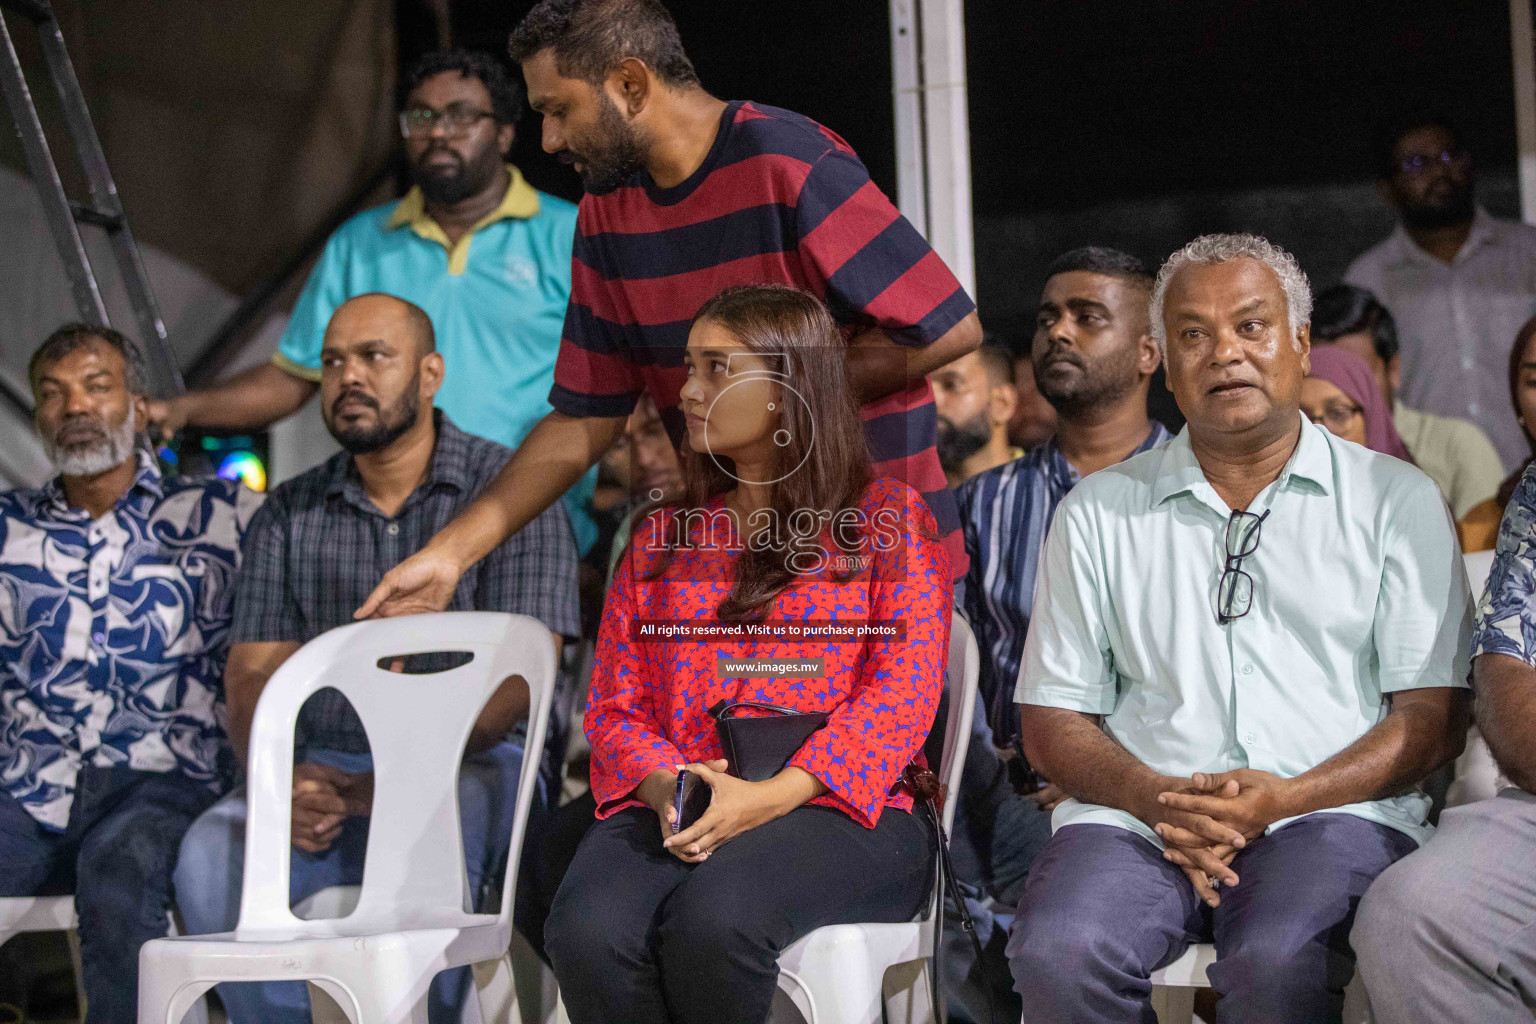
column 472, row 243
column 1252, row 624
column 1459, row 282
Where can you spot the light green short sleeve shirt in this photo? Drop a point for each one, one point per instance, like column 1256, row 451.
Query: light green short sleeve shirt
column 1358, row 591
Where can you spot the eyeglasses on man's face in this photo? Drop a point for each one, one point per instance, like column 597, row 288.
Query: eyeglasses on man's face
column 1420, row 164
column 457, row 120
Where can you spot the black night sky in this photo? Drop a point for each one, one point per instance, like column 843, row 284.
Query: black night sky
column 1077, row 102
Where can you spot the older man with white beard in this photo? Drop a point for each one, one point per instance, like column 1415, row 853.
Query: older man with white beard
column 115, row 587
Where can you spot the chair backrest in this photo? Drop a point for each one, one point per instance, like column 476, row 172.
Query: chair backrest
column 418, row 726
column 1479, row 564
column 962, row 680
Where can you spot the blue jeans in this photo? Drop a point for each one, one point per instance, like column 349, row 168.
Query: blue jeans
column 116, row 855
column 210, row 873
column 1103, row 910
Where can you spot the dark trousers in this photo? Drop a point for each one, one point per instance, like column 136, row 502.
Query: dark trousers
column 547, row 855
column 116, row 855
column 1103, row 910
column 996, row 837
column 638, row 936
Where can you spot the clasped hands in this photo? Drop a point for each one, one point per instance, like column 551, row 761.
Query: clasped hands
column 735, row 805
column 323, row 799
column 1208, row 819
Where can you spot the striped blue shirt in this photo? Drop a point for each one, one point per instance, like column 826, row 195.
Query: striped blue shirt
column 1004, row 515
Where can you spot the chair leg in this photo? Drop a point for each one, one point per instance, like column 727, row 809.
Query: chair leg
column 329, row 1003
column 198, row 1013
column 842, row 990
column 909, row 994
column 73, row 938
column 1173, row 1005
column 403, row 1003
column 165, row 999
column 533, row 985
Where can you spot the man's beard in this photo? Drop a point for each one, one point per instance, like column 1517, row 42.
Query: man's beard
column 388, row 426
column 1095, row 387
column 111, row 447
column 959, row 441
column 620, row 156
column 449, row 186
column 1455, row 208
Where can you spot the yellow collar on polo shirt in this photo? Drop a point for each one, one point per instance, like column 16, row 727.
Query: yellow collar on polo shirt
column 521, row 202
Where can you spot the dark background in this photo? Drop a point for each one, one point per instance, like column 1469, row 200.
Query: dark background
column 1135, row 123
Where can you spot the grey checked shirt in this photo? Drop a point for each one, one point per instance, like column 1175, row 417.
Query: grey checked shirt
column 319, row 546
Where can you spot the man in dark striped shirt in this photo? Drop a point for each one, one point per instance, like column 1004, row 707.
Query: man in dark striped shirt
column 688, row 195
column 1093, row 357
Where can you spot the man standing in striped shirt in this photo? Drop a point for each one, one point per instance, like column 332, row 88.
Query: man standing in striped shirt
column 688, row 195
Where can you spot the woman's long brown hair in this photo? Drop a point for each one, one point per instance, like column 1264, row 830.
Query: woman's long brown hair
column 794, row 334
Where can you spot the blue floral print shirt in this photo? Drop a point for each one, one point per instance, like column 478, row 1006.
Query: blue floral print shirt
column 113, row 633
column 1506, row 615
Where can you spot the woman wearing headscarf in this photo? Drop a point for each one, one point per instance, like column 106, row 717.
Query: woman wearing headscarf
column 1342, row 395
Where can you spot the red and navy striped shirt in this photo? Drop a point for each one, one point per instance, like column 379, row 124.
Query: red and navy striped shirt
column 779, row 199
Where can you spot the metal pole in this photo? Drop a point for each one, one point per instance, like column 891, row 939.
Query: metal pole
column 50, row 190
column 946, row 117
column 907, row 86
column 1522, row 43
column 155, row 347
column 933, row 142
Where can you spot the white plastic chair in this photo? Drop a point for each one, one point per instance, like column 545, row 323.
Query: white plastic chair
column 20, row 914
column 529, row 991
column 869, row 973
column 1476, row 776
column 1173, row 988
column 410, row 921
column 1478, row 564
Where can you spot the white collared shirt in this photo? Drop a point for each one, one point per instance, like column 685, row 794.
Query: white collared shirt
column 1358, row 591
column 1456, row 322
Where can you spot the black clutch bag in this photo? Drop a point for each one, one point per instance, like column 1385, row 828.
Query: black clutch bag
column 759, row 747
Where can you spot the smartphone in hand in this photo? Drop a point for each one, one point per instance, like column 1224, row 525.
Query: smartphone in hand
column 691, row 799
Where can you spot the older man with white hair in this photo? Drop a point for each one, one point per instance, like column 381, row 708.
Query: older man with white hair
column 115, row 603
column 1248, row 648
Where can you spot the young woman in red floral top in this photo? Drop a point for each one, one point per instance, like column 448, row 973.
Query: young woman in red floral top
column 779, row 525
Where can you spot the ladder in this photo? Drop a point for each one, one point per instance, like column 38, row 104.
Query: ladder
column 104, row 211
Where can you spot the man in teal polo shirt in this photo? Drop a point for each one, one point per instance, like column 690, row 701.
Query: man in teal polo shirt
column 473, row 244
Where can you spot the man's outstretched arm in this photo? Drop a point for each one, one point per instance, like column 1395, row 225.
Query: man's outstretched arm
column 250, row 400
column 548, row 463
